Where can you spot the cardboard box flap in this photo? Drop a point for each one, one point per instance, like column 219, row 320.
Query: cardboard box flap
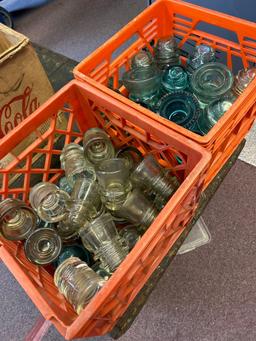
column 10, row 42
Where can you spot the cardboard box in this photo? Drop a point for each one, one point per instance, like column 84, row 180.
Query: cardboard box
column 24, row 86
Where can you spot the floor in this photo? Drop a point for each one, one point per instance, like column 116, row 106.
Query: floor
column 206, row 295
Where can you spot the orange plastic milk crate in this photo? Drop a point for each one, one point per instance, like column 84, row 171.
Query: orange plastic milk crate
column 86, row 107
column 191, row 25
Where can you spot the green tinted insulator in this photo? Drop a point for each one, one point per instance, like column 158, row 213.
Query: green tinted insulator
column 166, row 53
column 217, row 109
column 75, row 251
column 175, row 79
column 180, row 107
column 143, row 84
column 203, row 125
column 142, row 59
column 211, row 115
column 211, row 81
column 149, row 102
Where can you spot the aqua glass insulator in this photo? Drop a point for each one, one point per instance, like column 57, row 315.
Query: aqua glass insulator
column 201, row 55
column 166, row 53
column 144, row 85
column 212, row 113
column 142, row 59
column 230, row 96
column 41, row 224
column 75, row 251
column 150, row 102
column 217, row 109
column 243, row 79
column 211, row 81
column 103, row 273
column 180, row 107
column 175, row 79
column 203, row 125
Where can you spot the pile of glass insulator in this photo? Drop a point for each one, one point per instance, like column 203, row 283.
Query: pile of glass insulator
column 193, row 93
column 84, row 226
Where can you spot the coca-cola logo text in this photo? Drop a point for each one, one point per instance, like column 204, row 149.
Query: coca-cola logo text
column 16, row 110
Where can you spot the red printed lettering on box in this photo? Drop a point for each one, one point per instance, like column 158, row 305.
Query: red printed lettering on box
column 16, row 110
